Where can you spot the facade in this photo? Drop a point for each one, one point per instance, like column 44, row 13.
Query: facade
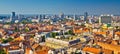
column 112, row 47
column 58, row 44
column 39, row 18
column 43, row 16
column 85, row 16
column 21, row 51
column 61, row 15
column 13, row 16
column 39, row 37
column 106, row 19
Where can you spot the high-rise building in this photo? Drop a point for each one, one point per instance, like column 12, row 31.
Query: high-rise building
column 55, row 16
column 105, row 19
column 19, row 16
column 85, row 16
column 74, row 17
column 39, row 18
column 13, row 16
column 61, row 15
column 43, row 16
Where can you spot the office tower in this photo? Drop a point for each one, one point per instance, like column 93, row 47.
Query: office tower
column 36, row 16
column 90, row 19
column 10, row 18
column 85, row 16
column 39, row 18
column 20, row 16
column 107, row 19
column 13, row 16
column 61, row 15
column 43, row 17
column 55, row 16
column 74, row 17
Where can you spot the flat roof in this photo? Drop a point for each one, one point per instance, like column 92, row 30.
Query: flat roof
column 16, row 50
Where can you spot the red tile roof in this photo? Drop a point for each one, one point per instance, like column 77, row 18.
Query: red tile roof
column 92, row 50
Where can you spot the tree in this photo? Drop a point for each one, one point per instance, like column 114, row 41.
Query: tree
column 26, row 29
column 7, row 40
column 10, row 39
column 83, row 25
column 16, row 29
column 53, row 34
column 24, row 22
column 66, row 33
column 57, row 33
column 116, row 27
column 43, row 38
column 2, row 51
column 4, row 41
column 8, row 23
column 32, row 36
column 70, row 32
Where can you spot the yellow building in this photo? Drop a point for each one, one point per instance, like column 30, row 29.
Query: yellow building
column 57, row 43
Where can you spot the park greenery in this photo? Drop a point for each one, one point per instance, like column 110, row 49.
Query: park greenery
column 2, row 51
column 54, row 34
column 7, row 40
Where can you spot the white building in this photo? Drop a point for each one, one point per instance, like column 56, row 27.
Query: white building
column 20, row 51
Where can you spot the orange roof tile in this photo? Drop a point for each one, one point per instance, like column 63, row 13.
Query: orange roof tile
column 4, row 33
column 14, row 34
column 92, row 50
column 77, row 30
column 69, row 23
column 1, row 30
column 42, row 52
column 19, row 38
column 27, row 51
column 85, row 30
column 114, row 42
column 31, row 39
column 100, row 32
column 35, row 45
column 118, row 52
column 106, row 51
column 109, row 46
column 117, row 33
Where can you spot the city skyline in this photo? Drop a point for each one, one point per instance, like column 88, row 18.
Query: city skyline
column 58, row 6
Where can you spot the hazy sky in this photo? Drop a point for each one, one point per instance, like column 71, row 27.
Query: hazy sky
column 58, row 6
